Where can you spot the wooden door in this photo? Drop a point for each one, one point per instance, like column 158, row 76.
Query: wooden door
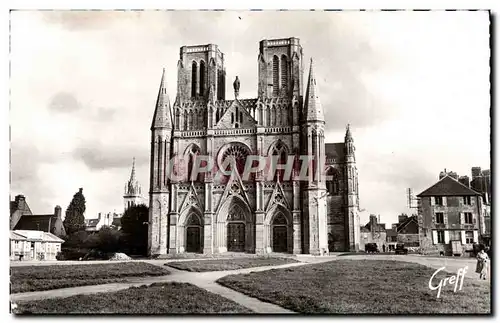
column 280, row 238
column 236, row 237
column 193, row 239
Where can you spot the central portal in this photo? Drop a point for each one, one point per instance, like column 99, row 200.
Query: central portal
column 236, row 237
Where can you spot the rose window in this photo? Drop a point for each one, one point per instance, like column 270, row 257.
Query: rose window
column 237, row 154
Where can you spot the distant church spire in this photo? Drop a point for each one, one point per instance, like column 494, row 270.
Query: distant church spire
column 314, row 110
column 163, row 115
column 132, row 174
column 133, row 191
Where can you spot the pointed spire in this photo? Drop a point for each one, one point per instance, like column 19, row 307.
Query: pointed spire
column 348, row 136
column 132, row 174
column 314, row 110
column 163, row 114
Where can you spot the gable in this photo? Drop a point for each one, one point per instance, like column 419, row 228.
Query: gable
column 410, row 226
column 448, row 186
column 236, row 116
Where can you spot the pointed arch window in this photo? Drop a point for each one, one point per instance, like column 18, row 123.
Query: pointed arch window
column 279, row 150
column 232, row 117
column 194, row 74
column 276, row 75
column 332, row 183
column 192, row 153
column 268, row 116
column 241, row 116
column 314, row 150
column 185, row 120
column 284, row 72
column 177, row 119
column 202, row 78
column 190, row 121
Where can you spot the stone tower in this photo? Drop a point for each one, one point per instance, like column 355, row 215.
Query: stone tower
column 133, row 191
column 351, row 185
column 280, row 68
column 314, row 193
column 159, row 193
column 200, row 72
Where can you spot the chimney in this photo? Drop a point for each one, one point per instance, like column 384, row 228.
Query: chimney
column 464, row 180
column 57, row 211
column 402, row 218
column 20, row 202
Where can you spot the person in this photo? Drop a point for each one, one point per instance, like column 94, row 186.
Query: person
column 482, row 264
column 383, row 247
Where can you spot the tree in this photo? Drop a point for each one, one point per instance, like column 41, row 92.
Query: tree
column 75, row 220
column 135, row 228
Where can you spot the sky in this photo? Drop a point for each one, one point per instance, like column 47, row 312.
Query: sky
column 414, row 86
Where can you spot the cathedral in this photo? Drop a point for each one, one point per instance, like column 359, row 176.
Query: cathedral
column 258, row 214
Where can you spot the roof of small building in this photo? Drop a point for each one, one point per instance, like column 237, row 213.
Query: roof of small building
column 34, row 235
column 403, row 224
column 448, row 186
column 39, row 222
column 335, row 151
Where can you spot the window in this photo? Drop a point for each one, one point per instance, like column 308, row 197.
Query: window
column 232, row 117
column 440, row 218
column 467, row 200
column 276, row 76
column 469, row 237
column 439, row 200
column 194, row 74
column 468, row 217
column 440, row 236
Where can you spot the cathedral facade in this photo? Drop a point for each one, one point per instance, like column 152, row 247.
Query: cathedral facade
column 206, row 213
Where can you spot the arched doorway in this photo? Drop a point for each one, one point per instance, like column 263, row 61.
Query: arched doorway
column 279, row 231
column 236, row 227
column 194, row 234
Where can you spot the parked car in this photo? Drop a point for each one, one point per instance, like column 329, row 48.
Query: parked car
column 400, row 249
column 371, row 247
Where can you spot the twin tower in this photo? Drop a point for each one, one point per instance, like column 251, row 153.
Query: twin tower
column 256, row 215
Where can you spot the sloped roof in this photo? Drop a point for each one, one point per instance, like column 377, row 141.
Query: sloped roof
column 16, row 236
column 378, row 226
column 36, row 222
column 35, row 235
column 448, row 186
column 335, row 151
column 403, row 224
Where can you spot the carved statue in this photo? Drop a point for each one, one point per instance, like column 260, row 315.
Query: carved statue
column 236, row 86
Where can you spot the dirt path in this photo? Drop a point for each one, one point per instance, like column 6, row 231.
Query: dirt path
column 207, row 280
column 204, row 280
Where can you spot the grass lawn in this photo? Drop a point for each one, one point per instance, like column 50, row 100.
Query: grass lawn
column 228, row 264
column 362, row 287
column 34, row 278
column 166, row 298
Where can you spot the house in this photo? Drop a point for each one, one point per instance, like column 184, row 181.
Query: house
column 109, row 219
column 407, row 232
column 391, row 239
column 449, row 218
column 33, row 245
column 373, row 232
column 21, row 218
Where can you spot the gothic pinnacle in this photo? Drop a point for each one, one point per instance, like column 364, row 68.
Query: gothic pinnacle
column 163, row 116
column 314, row 110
